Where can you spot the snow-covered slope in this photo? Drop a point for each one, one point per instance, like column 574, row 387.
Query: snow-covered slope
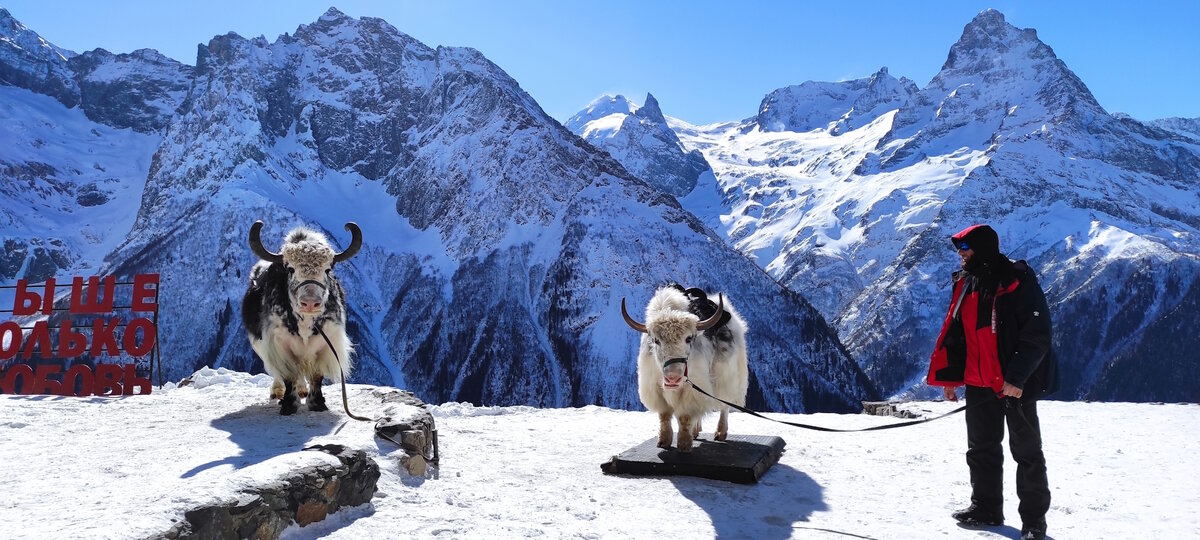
column 70, row 187
column 835, row 107
column 497, row 245
column 855, row 216
column 1187, row 127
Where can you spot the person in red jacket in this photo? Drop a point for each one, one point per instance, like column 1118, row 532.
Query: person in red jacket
column 995, row 340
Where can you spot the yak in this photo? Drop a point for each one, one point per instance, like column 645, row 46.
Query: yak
column 294, row 313
column 688, row 340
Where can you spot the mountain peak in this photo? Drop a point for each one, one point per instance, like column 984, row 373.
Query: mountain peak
column 993, row 53
column 333, row 15
column 650, row 110
column 599, row 108
column 989, row 35
column 989, row 18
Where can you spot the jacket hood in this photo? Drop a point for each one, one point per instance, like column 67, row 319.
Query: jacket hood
column 985, row 243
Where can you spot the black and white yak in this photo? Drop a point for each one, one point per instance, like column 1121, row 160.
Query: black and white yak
column 688, row 339
column 293, row 296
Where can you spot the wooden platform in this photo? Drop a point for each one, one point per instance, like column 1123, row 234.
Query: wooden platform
column 740, row 458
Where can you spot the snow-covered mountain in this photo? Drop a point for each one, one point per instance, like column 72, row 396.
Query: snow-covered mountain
column 848, row 197
column 837, row 107
column 497, row 244
column 1188, row 127
column 648, row 148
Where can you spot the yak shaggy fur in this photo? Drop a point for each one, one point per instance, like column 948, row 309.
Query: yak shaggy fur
column 716, row 361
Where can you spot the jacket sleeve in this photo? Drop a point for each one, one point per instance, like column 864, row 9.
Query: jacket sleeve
column 1033, row 331
column 948, row 361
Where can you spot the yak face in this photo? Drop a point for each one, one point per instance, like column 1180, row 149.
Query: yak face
column 671, row 333
column 671, row 337
column 309, row 261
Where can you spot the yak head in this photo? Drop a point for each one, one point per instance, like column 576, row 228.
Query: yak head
column 308, row 259
column 671, row 333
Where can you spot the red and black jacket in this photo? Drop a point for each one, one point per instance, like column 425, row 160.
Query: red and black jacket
column 996, row 332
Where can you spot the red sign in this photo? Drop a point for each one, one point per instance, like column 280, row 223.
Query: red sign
column 55, row 345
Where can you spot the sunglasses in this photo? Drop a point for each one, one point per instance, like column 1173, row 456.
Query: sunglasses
column 961, row 246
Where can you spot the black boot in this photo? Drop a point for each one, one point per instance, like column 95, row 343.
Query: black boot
column 1034, row 531
column 977, row 516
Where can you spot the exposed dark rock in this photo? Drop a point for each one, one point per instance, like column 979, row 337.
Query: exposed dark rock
column 305, row 497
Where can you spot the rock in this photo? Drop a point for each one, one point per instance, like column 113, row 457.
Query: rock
column 307, row 496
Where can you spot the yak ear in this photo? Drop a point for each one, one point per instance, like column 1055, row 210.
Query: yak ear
column 696, row 294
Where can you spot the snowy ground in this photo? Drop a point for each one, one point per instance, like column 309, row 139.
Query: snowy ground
column 124, row 467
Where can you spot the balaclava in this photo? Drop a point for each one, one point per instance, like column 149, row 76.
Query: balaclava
column 982, row 239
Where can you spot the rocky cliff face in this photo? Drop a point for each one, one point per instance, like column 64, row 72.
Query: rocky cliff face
column 140, row 91
column 28, row 61
column 497, row 245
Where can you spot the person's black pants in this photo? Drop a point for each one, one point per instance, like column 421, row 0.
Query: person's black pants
column 986, row 416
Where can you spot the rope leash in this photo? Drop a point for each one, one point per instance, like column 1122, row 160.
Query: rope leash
column 828, row 429
column 346, row 405
column 345, row 402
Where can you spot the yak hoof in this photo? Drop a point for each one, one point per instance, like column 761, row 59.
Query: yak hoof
column 317, row 405
column 287, row 407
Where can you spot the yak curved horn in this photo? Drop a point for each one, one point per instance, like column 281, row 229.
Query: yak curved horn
column 355, row 243
column 629, row 320
column 716, row 317
column 257, row 247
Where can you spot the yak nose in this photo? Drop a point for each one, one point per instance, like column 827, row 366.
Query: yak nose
column 310, row 298
column 674, row 371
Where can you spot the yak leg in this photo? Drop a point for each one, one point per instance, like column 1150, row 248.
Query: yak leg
column 288, row 404
column 685, row 434
column 696, row 429
column 277, row 389
column 722, row 425
column 316, row 399
column 664, row 430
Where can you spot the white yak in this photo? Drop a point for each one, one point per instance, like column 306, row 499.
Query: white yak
column 678, row 349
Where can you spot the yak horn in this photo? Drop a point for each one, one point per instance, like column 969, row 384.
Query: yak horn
column 257, row 247
column 629, row 320
column 716, row 317
column 355, row 243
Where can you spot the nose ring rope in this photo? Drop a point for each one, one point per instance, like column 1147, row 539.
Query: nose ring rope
column 309, row 282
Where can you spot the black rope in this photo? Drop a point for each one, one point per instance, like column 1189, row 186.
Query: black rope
column 346, row 405
column 822, row 428
column 345, row 402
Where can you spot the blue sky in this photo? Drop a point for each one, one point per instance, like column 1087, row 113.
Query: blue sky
column 705, row 61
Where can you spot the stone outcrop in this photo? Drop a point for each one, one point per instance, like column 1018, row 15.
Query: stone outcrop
column 406, row 422
column 306, row 497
